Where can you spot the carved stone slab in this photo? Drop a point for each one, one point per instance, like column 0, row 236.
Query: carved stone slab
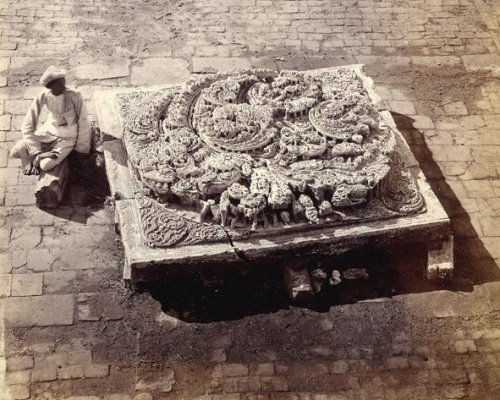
column 250, row 164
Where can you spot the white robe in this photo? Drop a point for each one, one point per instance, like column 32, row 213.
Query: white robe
column 67, row 123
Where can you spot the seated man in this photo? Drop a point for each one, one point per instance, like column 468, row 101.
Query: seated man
column 66, row 128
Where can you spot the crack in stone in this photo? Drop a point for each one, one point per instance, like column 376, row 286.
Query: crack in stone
column 240, row 253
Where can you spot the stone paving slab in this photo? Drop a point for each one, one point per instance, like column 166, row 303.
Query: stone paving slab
column 482, row 62
column 160, row 71
column 99, row 71
column 216, row 64
column 38, row 311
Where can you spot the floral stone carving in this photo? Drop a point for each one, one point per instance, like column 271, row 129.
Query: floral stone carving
column 249, row 152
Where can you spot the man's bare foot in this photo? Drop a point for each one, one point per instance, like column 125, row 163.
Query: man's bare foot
column 31, row 169
column 35, row 170
column 28, row 169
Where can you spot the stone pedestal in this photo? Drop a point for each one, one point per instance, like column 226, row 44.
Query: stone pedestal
column 50, row 187
column 159, row 234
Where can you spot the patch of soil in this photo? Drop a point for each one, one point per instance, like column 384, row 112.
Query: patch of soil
column 433, row 87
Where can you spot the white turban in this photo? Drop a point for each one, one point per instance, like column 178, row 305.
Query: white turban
column 51, row 74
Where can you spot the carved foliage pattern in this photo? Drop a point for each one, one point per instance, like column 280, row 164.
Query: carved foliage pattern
column 249, row 147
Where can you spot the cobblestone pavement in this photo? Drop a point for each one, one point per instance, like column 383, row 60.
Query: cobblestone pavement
column 70, row 329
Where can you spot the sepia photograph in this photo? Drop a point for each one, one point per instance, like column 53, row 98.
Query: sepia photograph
column 249, row 199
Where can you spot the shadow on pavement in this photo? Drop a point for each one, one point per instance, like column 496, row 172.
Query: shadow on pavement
column 86, row 190
column 473, row 263
column 218, row 293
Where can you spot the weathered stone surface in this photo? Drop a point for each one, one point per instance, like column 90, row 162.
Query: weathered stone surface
column 119, row 396
column 482, row 62
column 58, row 281
column 102, row 70
column 232, row 370
column 18, row 259
column 25, row 238
column 38, row 217
column 107, row 119
column 435, row 61
column 264, row 369
column 491, row 226
column 40, row 260
column 18, row 377
column 5, row 122
column 18, row 392
column 44, row 373
column 4, row 63
column 96, row 371
column 19, row 362
column 27, row 284
column 70, row 372
column 17, row 107
column 82, row 398
column 4, row 237
column 464, row 346
column 33, row 91
column 5, row 285
column 84, row 257
column 143, row 396
column 162, row 384
column 160, row 71
column 117, row 171
column 402, row 107
column 216, row 64
column 39, row 311
column 96, row 306
column 3, row 159
column 455, row 108
column 100, row 217
column 23, row 61
column 390, row 61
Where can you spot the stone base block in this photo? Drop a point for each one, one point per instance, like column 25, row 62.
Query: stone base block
column 440, row 261
column 50, row 187
column 144, row 262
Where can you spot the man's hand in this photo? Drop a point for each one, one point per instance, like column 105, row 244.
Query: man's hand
column 48, row 154
column 53, row 154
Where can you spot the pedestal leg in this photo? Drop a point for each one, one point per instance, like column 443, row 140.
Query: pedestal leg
column 50, row 187
column 440, row 261
column 298, row 283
